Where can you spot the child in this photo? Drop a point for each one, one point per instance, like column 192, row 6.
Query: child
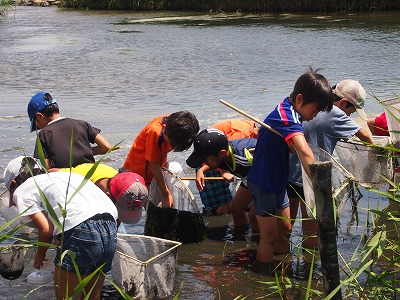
column 234, row 157
column 324, row 131
column 148, row 154
column 216, row 195
column 269, row 173
column 89, row 215
column 237, row 128
column 127, row 190
column 378, row 125
column 56, row 133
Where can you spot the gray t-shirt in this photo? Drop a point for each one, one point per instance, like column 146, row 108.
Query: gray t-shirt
column 324, row 131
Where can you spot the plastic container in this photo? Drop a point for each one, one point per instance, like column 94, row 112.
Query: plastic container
column 40, row 277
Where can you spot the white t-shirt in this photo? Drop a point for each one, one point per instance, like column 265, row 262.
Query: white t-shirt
column 89, row 201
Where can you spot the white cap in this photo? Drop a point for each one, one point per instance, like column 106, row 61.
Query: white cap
column 18, row 165
column 352, row 91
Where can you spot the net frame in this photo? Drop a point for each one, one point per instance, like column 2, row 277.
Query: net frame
column 148, row 278
column 177, row 187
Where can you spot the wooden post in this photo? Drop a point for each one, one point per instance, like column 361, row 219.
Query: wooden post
column 327, row 233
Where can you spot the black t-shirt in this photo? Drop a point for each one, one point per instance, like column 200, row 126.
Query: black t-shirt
column 56, row 139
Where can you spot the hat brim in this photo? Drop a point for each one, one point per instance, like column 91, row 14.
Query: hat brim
column 195, row 160
column 33, row 125
column 362, row 114
column 129, row 216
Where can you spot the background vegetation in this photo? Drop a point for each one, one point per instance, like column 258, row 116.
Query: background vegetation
column 238, row 5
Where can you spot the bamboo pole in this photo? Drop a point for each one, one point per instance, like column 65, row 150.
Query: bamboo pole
column 327, row 233
column 205, row 178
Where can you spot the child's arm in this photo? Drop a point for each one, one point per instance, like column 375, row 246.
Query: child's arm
column 304, row 152
column 364, row 136
column 167, row 200
column 102, row 145
column 200, row 177
column 45, row 235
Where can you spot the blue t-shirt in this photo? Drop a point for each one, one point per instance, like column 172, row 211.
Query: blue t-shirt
column 324, row 131
column 242, row 158
column 270, row 168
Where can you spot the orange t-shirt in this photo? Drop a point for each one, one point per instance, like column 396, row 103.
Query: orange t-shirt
column 149, row 146
column 236, row 128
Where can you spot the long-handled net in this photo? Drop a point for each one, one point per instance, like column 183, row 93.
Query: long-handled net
column 144, row 267
column 353, row 164
column 183, row 222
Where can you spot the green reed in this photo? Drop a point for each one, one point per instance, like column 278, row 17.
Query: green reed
column 4, row 5
column 237, row 5
column 10, row 235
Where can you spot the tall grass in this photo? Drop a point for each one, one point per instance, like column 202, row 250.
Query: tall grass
column 237, row 5
column 4, row 5
column 373, row 271
column 12, row 234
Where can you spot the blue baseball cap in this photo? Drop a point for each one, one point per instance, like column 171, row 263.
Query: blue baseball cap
column 38, row 102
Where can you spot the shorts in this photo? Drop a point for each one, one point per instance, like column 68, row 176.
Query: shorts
column 216, row 192
column 294, row 191
column 381, row 125
column 93, row 241
column 267, row 204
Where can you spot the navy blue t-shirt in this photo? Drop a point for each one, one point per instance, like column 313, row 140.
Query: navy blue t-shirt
column 270, row 169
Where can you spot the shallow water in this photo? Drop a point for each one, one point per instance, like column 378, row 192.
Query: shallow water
column 118, row 70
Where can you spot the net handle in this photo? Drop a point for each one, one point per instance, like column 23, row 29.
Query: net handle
column 205, row 178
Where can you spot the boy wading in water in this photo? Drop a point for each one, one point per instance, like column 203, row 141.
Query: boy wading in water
column 269, row 173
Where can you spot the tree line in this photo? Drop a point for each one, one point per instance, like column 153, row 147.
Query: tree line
column 280, row 6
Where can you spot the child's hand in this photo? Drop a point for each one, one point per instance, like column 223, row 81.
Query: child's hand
column 167, row 201
column 228, row 176
column 200, row 182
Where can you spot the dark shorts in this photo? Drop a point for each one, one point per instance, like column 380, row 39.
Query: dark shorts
column 267, row 204
column 294, row 191
column 93, row 241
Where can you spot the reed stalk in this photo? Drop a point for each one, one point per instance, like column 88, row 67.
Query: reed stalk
column 349, row 6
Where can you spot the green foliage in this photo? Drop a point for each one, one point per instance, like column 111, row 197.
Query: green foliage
column 6, row 235
column 4, row 5
column 236, row 5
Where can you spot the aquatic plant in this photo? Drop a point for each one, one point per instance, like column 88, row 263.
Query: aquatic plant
column 372, row 271
column 11, row 234
column 4, row 5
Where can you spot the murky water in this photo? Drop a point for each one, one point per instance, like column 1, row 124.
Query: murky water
column 118, row 70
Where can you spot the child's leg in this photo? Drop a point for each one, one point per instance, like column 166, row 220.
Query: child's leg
column 238, row 206
column 253, row 219
column 268, row 238
column 65, row 283
column 294, row 207
column 284, row 227
column 265, row 205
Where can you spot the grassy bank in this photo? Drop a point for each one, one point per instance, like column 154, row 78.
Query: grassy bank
column 238, row 5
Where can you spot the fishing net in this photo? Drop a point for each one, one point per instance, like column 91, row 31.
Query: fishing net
column 183, row 223
column 353, row 164
column 11, row 215
column 392, row 108
column 144, row 267
column 12, row 260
